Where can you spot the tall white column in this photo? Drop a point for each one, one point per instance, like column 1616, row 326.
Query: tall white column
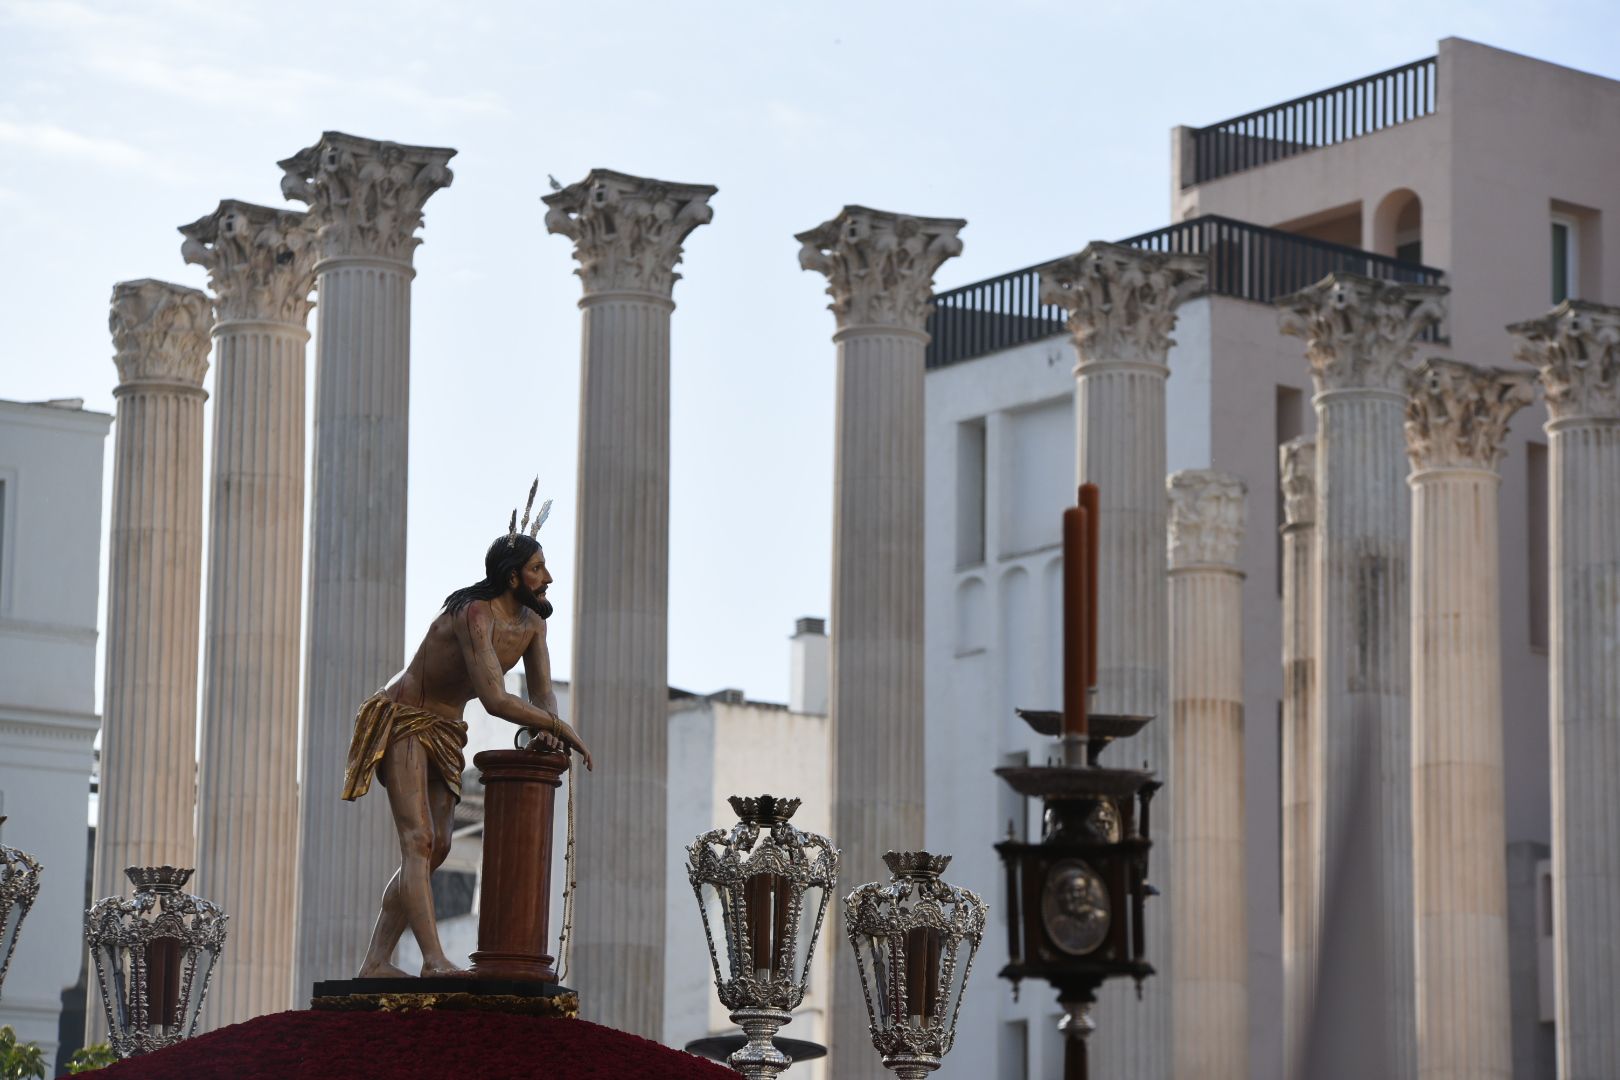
column 365, row 199
column 1301, row 754
column 1210, row 977
column 628, row 233
column 260, row 263
column 880, row 274
column 1360, row 334
column 154, row 581
column 1456, row 420
column 1577, row 351
column 1122, row 307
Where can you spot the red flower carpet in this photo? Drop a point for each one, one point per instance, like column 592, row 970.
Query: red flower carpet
column 310, row 1045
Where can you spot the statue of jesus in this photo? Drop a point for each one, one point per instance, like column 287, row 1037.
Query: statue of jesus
column 410, row 735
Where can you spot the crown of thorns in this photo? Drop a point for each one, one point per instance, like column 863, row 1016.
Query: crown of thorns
column 523, row 527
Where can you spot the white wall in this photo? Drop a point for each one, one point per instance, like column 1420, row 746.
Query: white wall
column 50, row 550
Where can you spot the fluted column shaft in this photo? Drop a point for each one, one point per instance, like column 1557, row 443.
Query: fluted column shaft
column 365, row 198
column 154, row 584
column 1301, row 753
column 1360, row 336
column 876, row 689
column 260, row 262
column 621, row 652
column 1210, row 994
column 1121, row 304
column 1457, row 418
column 628, row 234
column 1577, row 351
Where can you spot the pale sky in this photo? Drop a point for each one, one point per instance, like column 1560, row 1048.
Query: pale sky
column 1045, row 125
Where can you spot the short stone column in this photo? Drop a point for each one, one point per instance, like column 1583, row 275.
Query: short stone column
column 628, row 233
column 1210, row 977
column 1456, row 420
column 1576, row 348
column 260, row 263
column 1301, row 755
column 365, row 200
column 1122, row 307
column 1360, row 334
column 880, row 274
column 154, row 581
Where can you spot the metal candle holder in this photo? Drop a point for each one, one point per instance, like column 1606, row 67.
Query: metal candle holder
column 914, row 940
column 763, row 887
column 155, row 952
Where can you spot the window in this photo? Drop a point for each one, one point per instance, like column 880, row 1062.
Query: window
column 1013, row 1050
column 1565, row 258
column 1540, row 568
column 970, row 493
column 3, row 508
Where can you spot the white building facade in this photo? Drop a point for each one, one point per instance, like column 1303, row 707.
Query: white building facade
column 51, row 458
column 1455, row 182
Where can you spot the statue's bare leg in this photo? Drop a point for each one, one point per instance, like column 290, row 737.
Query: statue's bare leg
column 408, row 898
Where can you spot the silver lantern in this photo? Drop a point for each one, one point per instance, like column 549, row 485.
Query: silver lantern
column 762, row 887
column 19, row 888
column 155, row 952
column 915, row 939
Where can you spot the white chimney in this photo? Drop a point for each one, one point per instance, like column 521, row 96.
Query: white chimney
column 808, row 680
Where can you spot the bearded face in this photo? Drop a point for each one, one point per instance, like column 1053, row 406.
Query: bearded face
column 529, row 585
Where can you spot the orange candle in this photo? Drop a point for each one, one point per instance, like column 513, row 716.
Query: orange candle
column 1091, row 499
column 1076, row 620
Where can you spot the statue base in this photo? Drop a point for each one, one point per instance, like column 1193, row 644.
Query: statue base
column 521, row 996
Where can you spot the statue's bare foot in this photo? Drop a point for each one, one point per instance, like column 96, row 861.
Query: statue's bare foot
column 444, row 969
column 384, row 970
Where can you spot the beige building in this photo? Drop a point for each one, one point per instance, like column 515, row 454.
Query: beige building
column 1485, row 171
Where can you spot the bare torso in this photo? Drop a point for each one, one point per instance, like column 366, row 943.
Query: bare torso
column 438, row 678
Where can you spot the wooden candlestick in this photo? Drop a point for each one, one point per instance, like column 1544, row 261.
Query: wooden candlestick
column 1076, row 621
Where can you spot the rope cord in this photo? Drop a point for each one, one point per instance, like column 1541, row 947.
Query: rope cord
column 565, row 939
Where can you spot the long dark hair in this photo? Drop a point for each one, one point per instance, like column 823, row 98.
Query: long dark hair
column 506, row 556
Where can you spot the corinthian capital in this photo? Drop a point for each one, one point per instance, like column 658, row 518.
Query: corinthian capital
column 1122, row 300
column 1457, row 414
column 628, row 230
column 1576, row 349
column 1206, row 517
column 260, row 261
column 1360, row 332
column 160, row 333
column 365, row 196
column 1296, row 464
column 880, row 266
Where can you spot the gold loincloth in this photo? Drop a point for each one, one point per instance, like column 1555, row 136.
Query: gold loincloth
column 382, row 722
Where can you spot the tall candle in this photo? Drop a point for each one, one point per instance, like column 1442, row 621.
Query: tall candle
column 1091, row 499
column 1076, row 620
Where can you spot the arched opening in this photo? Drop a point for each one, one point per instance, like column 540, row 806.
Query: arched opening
column 1398, row 226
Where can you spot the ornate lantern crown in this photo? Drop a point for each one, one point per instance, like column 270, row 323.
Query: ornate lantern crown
column 915, row 939
column 19, row 888
column 154, row 954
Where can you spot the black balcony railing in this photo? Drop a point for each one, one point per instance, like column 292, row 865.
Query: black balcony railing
column 1324, row 118
column 1246, row 262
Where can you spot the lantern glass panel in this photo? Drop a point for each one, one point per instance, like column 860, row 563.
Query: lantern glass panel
column 113, row 962
column 205, row 964
column 962, row 952
column 922, row 974
column 878, row 944
column 164, row 963
column 717, row 923
column 810, row 909
column 8, row 934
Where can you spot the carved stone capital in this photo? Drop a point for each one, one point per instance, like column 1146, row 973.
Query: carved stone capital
column 1360, row 332
column 160, row 333
column 628, row 230
column 1122, row 300
column 260, row 261
column 880, row 266
column 1296, row 464
column 1457, row 414
column 1576, row 349
column 1206, row 517
column 365, row 196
